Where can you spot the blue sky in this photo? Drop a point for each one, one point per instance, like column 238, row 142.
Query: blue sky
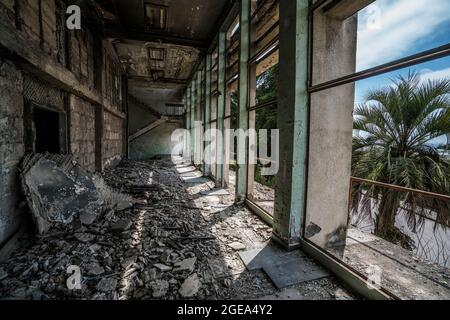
column 393, row 29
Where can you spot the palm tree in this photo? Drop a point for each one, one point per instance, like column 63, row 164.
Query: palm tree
column 396, row 127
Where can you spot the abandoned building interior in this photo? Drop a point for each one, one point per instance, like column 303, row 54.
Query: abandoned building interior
column 97, row 174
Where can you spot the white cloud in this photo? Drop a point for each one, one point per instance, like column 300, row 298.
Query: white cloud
column 427, row 74
column 402, row 24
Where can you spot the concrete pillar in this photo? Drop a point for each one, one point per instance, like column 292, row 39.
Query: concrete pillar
column 208, row 63
column 198, row 120
column 331, row 128
column 189, row 125
column 193, row 86
column 292, row 121
column 186, row 126
column 243, row 94
column 220, row 108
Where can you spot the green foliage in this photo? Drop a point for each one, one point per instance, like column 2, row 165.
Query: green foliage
column 266, row 118
column 267, row 85
column 396, row 126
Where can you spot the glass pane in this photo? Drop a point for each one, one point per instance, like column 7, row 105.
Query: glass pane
column 264, row 24
column 262, row 191
column 213, row 148
column 231, row 102
column 214, row 107
column 397, row 136
column 266, row 79
column 382, row 32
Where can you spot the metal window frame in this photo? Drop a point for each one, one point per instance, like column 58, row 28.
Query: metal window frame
column 271, row 47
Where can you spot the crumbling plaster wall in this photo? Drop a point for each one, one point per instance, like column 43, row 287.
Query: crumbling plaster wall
column 82, row 131
column 12, row 147
column 36, row 29
column 113, row 143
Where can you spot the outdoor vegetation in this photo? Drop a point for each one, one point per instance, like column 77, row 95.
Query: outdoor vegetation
column 394, row 143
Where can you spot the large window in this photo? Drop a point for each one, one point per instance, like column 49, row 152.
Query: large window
column 379, row 162
column 263, row 105
column 231, row 101
column 213, row 97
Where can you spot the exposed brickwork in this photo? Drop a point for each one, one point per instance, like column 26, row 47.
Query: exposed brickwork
column 42, row 24
column 113, row 130
column 11, row 146
column 82, row 131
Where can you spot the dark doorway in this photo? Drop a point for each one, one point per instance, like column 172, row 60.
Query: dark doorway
column 46, row 124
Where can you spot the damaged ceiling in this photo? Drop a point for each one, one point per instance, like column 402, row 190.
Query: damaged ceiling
column 160, row 42
column 157, row 62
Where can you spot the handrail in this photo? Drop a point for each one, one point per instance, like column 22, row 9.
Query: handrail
column 400, row 188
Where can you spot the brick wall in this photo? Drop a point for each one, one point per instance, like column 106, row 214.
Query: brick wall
column 113, row 131
column 11, row 146
column 82, row 131
column 40, row 26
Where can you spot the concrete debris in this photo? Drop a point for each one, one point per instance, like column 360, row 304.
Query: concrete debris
column 157, row 248
column 162, row 267
column 190, row 286
column 160, row 288
column 95, row 269
column 107, row 285
column 124, row 205
column 185, row 265
column 84, row 237
column 57, row 189
column 87, row 218
column 121, row 225
column 237, row 246
column 3, row 274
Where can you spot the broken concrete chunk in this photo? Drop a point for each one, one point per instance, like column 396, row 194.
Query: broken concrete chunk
column 107, row 285
column 84, row 237
column 57, row 189
column 121, row 226
column 3, row 274
column 237, row 246
column 159, row 288
column 162, row 267
column 185, row 265
column 87, row 218
column 124, row 205
column 95, row 269
column 190, row 286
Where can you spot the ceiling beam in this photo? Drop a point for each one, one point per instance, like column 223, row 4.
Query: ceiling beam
column 153, row 37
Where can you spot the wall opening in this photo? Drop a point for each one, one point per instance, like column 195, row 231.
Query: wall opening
column 46, row 126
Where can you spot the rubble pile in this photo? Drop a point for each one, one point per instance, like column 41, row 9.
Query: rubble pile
column 150, row 248
column 57, row 189
column 158, row 242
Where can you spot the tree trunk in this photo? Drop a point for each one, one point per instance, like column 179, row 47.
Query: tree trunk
column 387, row 211
column 385, row 221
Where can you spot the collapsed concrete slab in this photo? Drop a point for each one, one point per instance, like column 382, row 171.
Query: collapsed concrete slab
column 57, row 189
